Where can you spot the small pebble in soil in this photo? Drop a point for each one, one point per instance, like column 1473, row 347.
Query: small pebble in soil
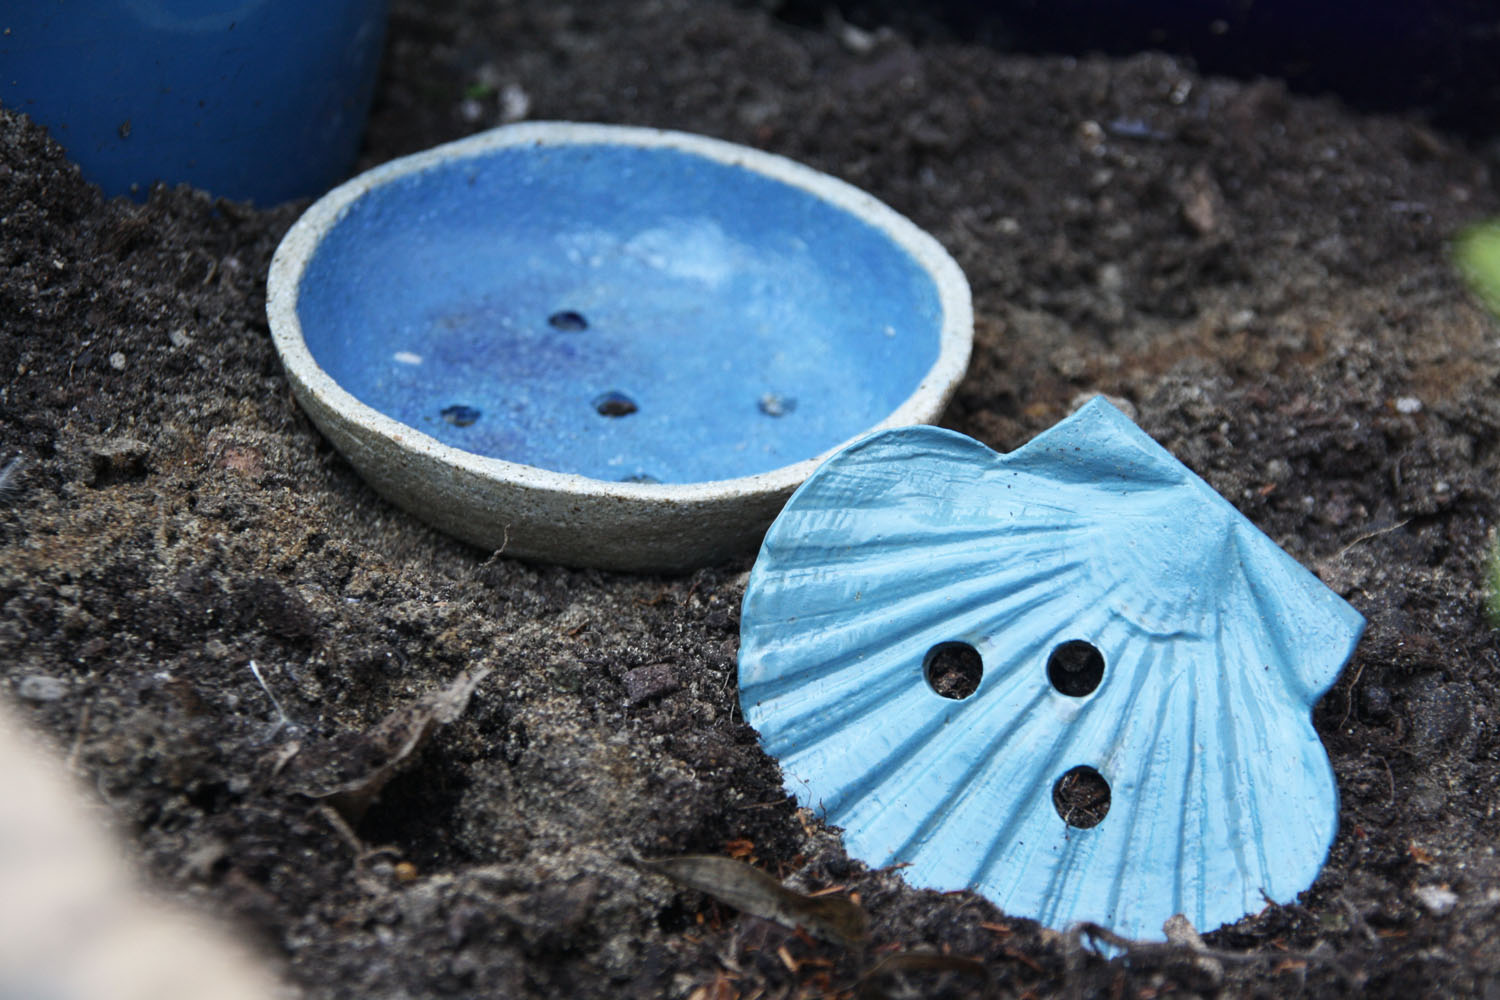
column 515, row 103
column 651, row 681
column 1278, row 470
column 1374, row 701
column 40, row 687
column 1439, row 900
column 1408, row 405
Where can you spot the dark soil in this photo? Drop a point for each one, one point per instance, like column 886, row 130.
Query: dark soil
column 1440, row 56
column 1263, row 277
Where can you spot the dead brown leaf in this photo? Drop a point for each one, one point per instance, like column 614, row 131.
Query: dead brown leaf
column 752, row 891
column 349, row 771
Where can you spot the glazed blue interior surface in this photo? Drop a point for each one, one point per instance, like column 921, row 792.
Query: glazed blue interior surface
column 507, row 303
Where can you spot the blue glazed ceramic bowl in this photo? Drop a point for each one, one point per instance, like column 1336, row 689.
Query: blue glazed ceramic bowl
column 609, row 346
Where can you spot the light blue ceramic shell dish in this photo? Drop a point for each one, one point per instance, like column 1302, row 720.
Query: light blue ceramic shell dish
column 1214, row 644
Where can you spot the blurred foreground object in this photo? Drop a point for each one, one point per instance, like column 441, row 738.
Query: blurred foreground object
column 260, row 100
column 74, row 924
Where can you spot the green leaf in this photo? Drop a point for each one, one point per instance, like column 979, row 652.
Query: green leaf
column 1478, row 254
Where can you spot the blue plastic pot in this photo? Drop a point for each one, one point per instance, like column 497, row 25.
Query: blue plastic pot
column 260, row 100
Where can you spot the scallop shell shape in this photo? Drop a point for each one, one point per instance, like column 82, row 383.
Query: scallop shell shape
column 1215, row 644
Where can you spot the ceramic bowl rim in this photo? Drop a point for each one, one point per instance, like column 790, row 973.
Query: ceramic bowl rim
column 303, row 240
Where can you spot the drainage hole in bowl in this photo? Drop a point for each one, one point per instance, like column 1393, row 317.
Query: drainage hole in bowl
column 953, row 669
column 459, row 415
column 568, row 321
column 614, row 404
column 1081, row 797
column 773, row 405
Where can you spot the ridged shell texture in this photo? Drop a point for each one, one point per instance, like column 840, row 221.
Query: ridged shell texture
column 1200, row 649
